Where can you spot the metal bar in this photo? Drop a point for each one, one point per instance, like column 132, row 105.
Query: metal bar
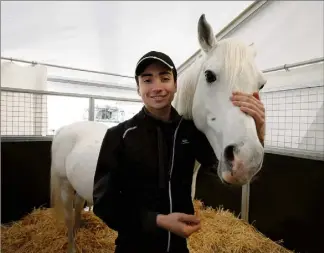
column 300, row 153
column 245, row 204
column 65, row 67
column 55, row 93
column 293, row 65
column 91, row 84
column 91, row 109
column 279, row 89
column 21, row 138
column 34, row 101
column 244, row 16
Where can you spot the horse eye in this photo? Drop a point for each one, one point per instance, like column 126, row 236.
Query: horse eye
column 261, row 87
column 210, row 76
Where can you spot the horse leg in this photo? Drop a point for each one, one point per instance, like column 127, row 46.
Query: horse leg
column 194, row 179
column 67, row 195
column 78, row 206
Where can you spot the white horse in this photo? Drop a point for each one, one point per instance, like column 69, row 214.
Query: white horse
column 203, row 95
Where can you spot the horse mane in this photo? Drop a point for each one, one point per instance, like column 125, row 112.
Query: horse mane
column 187, row 83
column 236, row 58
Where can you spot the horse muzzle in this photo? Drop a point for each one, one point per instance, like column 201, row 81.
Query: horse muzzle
column 241, row 163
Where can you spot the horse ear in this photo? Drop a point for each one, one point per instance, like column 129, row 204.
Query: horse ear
column 206, row 35
column 253, row 49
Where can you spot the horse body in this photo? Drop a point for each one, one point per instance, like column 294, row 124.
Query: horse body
column 75, row 152
column 203, row 96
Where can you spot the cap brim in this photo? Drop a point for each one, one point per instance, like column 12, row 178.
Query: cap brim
column 142, row 64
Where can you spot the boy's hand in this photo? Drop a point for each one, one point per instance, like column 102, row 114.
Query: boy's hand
column 252, row 105
column 179, row 223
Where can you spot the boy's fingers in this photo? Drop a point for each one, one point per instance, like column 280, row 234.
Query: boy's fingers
column 256, row 95
column 189, row 218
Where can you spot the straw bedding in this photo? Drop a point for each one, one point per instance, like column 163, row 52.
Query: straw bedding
column 221, row 232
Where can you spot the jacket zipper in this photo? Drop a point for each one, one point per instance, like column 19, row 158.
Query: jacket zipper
column 170, row 175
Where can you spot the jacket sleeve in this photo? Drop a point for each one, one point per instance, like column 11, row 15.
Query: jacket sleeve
column 204, row 153
column 109, row 203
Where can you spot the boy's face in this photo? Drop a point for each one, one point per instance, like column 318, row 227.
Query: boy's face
column 156, row 86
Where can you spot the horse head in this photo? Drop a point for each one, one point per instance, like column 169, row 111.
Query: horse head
column 227, row 65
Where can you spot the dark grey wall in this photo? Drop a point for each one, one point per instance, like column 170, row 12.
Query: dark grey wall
column 25, row 175
column 286, row 201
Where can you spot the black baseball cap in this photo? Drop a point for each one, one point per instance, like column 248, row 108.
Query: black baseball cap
column 152, row 56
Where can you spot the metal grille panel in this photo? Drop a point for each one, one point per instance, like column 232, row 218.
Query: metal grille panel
column 295, row 120
column 23, row 114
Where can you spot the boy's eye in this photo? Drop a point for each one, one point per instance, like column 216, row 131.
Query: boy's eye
column 165, row 78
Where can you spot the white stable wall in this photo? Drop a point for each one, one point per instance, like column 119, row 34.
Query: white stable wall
column 285, row 32
column 24, row 114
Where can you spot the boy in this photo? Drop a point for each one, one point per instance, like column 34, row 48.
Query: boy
column 142, row 185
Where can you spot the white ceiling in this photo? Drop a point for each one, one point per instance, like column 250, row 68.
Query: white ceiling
column 106, row 35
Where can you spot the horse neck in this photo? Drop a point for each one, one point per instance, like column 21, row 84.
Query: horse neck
column 187, row 83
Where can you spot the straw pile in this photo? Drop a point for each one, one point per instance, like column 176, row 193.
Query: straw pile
column 221, row 232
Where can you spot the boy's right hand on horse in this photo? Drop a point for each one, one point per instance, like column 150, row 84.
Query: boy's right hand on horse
column 179, row 223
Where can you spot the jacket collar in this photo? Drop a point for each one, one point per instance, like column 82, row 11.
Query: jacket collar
column 174, row 119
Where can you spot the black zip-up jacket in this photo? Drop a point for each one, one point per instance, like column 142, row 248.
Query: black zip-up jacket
column 145, row 168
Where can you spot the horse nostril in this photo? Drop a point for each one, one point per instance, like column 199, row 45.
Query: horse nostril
column 229, row 153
